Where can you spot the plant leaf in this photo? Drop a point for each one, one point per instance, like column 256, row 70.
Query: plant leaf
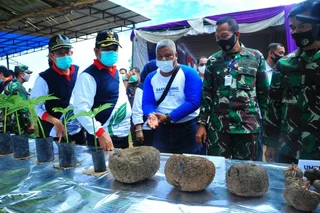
column 16, row 107
column 101, row 108
column 80, row 114
column 41, row 99
column 63, row 110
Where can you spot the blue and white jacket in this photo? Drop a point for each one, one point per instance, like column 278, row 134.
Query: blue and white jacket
column 183, row 99
column 96, row 86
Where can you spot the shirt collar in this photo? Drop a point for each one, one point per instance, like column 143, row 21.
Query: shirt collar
column 56, row 69
column 100, row 66
column 9, row 79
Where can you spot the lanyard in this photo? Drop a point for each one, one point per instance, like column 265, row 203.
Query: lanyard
column 231, row 64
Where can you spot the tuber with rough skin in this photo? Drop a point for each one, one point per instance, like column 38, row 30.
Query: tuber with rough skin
column 301, row 198
column 189, row 173
column 247, row 180
column 293, row 174
column 134, row 164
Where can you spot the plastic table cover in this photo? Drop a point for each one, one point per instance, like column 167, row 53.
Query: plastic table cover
column 28, row 187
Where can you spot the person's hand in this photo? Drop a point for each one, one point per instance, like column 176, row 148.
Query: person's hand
column 31, row 129
column 105, row 142
column 130, row 73
column 201, row 135
column 153, row 121
column 59, row 129
column 140, row 136
column 270, row 154
column 161, row 118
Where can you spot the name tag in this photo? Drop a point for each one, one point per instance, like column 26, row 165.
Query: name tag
column 308, row 164
column 228, row 80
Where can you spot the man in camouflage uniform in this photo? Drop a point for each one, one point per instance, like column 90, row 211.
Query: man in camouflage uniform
column 235, row 82
column 292, row 121
column 15, row 87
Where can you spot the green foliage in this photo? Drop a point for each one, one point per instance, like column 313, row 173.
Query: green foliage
column 16, row 103
column 64, row 111
column 4, row 104
column 19, row 103
column 92, row 114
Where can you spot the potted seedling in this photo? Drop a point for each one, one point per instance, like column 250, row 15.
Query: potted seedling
column 20, row 140
column 98, row 158
column 44, row 146
column 5, row 140
column 66, row 149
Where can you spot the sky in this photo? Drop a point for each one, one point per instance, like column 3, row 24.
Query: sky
column 159, row 11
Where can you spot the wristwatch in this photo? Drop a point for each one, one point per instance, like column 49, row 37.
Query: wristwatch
column 168, row 118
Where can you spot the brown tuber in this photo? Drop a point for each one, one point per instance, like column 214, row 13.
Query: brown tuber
column 293, row 171
column 189, row 173
column 293, row 174
column 301, row 198
column 135, row 164
column 316, row 185
column 247, row 180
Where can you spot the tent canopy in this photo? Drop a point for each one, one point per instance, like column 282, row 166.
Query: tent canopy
column 27, row 25
column 195, row 36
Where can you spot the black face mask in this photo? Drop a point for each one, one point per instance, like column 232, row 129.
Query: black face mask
column 277, row 58
column 303, row 39
column 227, row 45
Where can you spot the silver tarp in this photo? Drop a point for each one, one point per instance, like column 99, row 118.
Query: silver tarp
column 28, row 187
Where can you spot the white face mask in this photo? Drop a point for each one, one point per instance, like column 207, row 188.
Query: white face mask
column 202, row 69
column 165, row 66
column 26, row 77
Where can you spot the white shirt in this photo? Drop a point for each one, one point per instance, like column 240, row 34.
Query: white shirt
column 269, row 71
column 41, row 88
column 137, row 113
column 83, row 99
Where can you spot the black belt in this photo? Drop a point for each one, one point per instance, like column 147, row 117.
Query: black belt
column 178, row 125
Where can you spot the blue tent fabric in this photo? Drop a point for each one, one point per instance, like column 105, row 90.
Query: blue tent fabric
column 11, row 43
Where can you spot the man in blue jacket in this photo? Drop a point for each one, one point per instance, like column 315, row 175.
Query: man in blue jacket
column 174, row 118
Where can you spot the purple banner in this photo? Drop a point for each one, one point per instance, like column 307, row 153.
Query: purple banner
column 250, row 16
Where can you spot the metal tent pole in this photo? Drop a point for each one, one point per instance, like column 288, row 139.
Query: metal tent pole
column 7, row 58
column 134, row 26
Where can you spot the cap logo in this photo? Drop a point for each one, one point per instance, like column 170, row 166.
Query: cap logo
column 58, row 40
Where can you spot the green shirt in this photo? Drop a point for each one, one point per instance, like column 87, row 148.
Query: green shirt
column 293, row 117
column 234, row 108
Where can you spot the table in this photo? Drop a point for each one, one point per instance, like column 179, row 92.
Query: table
column 28, row 187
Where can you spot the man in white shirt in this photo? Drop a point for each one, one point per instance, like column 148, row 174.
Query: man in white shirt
column 99, row 84
column 275, row 52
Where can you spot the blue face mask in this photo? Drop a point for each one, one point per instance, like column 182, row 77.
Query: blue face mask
column 133, row 78
column 123, row 76
column 64, row 62
column 109, row 58
column 0, row 80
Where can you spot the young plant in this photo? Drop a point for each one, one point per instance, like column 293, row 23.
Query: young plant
column 65, row 112
column 4, row 104
column 19, row 104
column 14, row 101
column 92, row 114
